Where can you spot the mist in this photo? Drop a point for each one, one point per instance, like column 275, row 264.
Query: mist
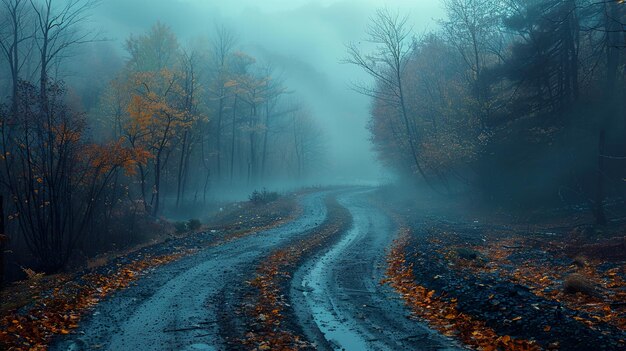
column 303, row 40
column 312, row 174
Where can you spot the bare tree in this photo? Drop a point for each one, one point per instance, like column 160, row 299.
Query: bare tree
column 308, row 143
column 58, row 30
column 14, row 31
column 276, row 89
column 390, row 34
column 255, row 89
column 55, row 189
column 223, row 45
column 470, row 28
column 189, row 101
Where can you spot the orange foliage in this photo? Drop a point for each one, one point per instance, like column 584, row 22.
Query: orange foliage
column 60, row 312
column 154, row 113
column 104, row 158
column 538, row 276
column 269, row 306
column 442, row 314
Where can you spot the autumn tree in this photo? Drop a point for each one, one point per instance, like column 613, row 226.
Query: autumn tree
column 508, row 100
column 192, row 118
column 389, row 33
column 54, row 176
column 154, row 121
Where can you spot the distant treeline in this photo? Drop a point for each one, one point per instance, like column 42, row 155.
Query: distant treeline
column 508, row 100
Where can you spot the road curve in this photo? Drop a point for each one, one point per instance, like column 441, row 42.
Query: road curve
column 175, row 307
column 339, row 301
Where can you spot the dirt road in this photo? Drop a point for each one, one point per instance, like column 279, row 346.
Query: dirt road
column 336, row 294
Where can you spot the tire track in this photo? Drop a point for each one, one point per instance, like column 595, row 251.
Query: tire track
column 338, row 297
column 175, row 307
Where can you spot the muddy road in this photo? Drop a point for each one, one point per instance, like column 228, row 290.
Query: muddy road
column 336, row 295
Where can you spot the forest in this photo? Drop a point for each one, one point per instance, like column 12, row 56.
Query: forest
column 313, row 175
column 519, row 103
column 160, row 132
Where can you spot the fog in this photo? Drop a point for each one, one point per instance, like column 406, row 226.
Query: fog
column 122, row 113
column 305, row 40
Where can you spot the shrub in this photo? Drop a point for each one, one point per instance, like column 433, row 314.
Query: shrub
column 194, row 224
column 181, row 227
column 576, row 283
column 263, row 197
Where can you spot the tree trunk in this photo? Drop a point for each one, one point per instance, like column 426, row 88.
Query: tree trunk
column 181, row 167
column 265, row 134
column 156, row 192
column 232, row 146
column 218, row 136
column 599, row 205
column 252, row 164
column 3, row 240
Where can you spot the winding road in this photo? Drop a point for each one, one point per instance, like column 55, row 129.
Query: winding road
column 335, row 294
column 338, row 296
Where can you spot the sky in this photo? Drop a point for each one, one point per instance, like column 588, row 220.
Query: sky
column 303, row 39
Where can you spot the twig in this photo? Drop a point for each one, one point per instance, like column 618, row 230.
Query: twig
column 208, row 322
column 197, row 327
column 202, row 335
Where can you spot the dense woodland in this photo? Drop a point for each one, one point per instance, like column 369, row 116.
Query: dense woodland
column 94, row 159
column 514, row 104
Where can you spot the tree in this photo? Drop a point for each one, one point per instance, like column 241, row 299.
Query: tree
column 308, row 145
column 245, row 89
column 58, row 30
column 13, row 35
column 437, row 95
column 162, row 87
column 154, row 121
column 191, row 118
column 223, row 45
column 157, row 50
column 389, row 33
column 471, row 27
column 545, row 62
column 55, row 189
column 273, row 94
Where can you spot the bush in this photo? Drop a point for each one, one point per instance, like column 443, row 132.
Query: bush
column 190, row 225
column 576, row 283
column 181, row 227
column 263, row 197
column 194, row 224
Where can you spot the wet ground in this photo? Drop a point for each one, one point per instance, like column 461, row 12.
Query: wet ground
column 336, row 295
column 173, row 307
